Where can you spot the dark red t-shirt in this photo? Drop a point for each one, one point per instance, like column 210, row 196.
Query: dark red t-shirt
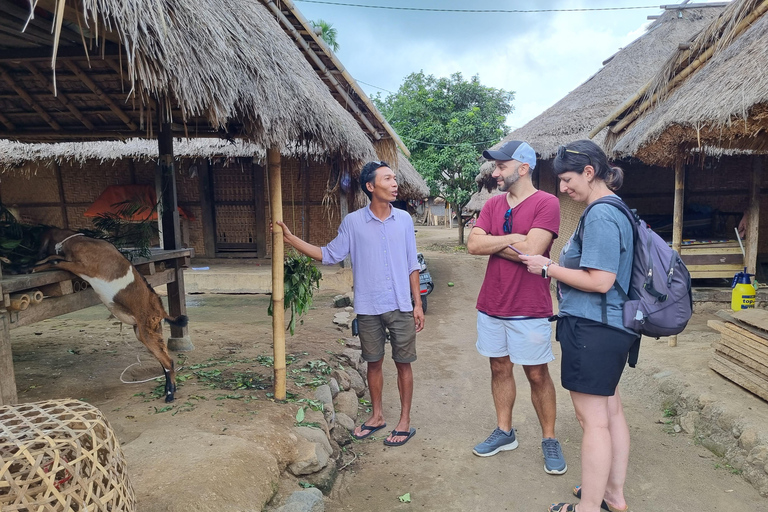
column 509, row 289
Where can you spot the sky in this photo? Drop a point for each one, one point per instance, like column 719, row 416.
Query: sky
column 540, row 56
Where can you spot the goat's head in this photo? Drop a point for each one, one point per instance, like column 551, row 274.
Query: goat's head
column 50, row 238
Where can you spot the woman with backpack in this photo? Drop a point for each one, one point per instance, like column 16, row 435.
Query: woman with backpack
column 595, row 344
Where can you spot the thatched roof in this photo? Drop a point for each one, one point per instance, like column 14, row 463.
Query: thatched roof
column 582, row 109
column 220, row 67
column 409, row 182
column 721, row 101
column 478, row 199
column 29, row 157
column 341, row 84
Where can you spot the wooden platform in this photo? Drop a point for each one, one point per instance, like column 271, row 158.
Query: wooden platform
column 712, row 260
column 65, row 293
column 741, row 353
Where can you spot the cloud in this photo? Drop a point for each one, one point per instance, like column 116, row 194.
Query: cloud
column 541, row 57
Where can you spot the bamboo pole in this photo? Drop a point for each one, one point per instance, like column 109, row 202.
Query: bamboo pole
column 753, row 215
column 278, row 256
column 677, row 218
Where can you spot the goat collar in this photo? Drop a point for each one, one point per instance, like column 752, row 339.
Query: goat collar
column 59, row 245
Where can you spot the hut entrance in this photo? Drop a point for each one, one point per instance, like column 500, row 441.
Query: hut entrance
column 238, row 196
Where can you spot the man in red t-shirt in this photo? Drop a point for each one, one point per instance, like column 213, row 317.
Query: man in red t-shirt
column 514, row 306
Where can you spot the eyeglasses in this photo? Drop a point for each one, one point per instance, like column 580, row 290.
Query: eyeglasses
column 380, row 164
column 562, row 150
column 508, row 221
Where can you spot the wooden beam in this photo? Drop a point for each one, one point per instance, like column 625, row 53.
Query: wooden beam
column 8, row 394
column 26, row 97
column 76, row 53
column 72, row 66
column 207, row 208
column 278, row 272
column 753, row 215
column 677, row 217
column 63, row 99
column 7, row 122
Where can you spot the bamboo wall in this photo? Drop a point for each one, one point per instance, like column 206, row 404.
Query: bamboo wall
column 58, row 195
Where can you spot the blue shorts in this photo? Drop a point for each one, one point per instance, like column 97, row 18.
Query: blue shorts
column 526, row 341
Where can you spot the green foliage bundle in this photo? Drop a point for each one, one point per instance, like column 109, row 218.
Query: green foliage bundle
column 446, row 124
column 130, row 237
column 300, row 280
column 327, row 33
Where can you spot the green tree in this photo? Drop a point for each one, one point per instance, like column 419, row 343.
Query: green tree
column 327, row 33
column 446, row 124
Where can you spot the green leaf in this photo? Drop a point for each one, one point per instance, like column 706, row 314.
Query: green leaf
column 300, row 415
column 405, row 498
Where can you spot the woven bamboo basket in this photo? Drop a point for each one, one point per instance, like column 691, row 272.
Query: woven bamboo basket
column 61, row 455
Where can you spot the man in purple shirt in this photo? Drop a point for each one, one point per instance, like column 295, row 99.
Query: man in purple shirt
column 381, row 242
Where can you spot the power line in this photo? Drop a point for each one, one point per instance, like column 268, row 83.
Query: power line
column 450, row 145
column 374, row 86
column 480, row 11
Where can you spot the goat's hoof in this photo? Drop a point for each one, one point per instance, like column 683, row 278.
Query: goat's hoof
column 169, row 399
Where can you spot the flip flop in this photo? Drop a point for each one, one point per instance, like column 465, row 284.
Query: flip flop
column 367, row 431
column 562, row 507
column 603, row 505
column 397, row 433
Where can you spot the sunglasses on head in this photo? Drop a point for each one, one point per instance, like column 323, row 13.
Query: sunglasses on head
column 508, row 222
column 562, row 150
column 381, row 163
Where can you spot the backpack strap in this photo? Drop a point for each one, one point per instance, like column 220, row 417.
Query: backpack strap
column 632, row 217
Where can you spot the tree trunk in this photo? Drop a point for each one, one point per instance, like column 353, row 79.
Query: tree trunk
column 460, row 223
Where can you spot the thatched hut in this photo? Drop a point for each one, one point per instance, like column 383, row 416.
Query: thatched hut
column 705, row 113
column 576, row 114
column 286, row 89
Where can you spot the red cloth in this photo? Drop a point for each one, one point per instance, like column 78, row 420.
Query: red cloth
column 114, row 196
column 508, row 288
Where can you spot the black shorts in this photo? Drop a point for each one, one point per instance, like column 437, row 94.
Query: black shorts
column 594, row 355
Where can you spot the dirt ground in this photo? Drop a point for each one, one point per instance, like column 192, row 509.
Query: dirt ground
column 226, row 386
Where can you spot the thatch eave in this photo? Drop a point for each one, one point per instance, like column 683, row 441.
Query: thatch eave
column 724, row 104
column 721, row 104
column 217, row 67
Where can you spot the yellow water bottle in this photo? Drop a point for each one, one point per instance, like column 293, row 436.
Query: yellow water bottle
column 743, row 292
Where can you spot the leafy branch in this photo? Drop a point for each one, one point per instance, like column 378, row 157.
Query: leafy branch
column 300, row 280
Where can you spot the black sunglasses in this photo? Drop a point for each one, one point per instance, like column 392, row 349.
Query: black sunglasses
column 508, row 222
column 562, row 150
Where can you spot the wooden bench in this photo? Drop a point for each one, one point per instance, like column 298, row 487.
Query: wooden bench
column 713, row 260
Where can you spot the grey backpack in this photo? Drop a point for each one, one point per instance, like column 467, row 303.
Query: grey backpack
column 659, row 300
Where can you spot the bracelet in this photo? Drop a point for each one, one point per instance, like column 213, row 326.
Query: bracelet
column 544, row 271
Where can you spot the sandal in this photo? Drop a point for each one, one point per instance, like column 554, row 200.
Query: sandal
column 562, row 507
column 603, row 505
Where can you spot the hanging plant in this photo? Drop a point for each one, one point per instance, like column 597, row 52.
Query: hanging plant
column 300, row 280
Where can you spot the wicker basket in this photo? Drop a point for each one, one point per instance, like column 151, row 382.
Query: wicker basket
column 61, row 455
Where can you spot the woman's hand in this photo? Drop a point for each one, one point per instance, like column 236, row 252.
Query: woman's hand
column 535, row 262
column 286, row 232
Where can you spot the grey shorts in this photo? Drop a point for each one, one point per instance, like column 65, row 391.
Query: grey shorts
column 402, row 336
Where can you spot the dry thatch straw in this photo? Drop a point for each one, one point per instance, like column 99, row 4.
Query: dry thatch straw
column 582, row 109
column 27, row 158
column 723, row 104
column 479, row 199
column 226, row 61
column 410, row 183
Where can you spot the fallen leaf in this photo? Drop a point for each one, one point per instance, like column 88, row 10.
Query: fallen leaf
column 405, row 498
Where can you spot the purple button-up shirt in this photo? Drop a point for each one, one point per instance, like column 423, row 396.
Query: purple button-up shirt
column 383, row 256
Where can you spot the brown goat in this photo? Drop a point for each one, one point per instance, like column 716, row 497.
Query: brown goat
column 120, row 287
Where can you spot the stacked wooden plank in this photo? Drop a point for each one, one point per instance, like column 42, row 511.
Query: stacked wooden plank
column 741, row 353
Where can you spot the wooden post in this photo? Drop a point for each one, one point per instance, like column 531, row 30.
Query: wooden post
column 7, row 378
column 278, row 256
column 305, row 208
column 260, row 205
column 344, row 211
column 206, row 206
column 677, row 218
column 447, row 214
column 168, row 217
column 753, row 217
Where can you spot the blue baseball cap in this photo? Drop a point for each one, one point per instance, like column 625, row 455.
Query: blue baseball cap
column 513, row 150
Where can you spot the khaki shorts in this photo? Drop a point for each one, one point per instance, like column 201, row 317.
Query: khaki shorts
column 402, row 334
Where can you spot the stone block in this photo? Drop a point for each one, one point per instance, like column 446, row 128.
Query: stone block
column 356, row 382
column 346, row 403
column 311, row 458
column 342, row 377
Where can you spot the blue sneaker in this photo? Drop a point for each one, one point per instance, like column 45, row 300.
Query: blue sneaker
column 554, row 461
column 498, row 441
